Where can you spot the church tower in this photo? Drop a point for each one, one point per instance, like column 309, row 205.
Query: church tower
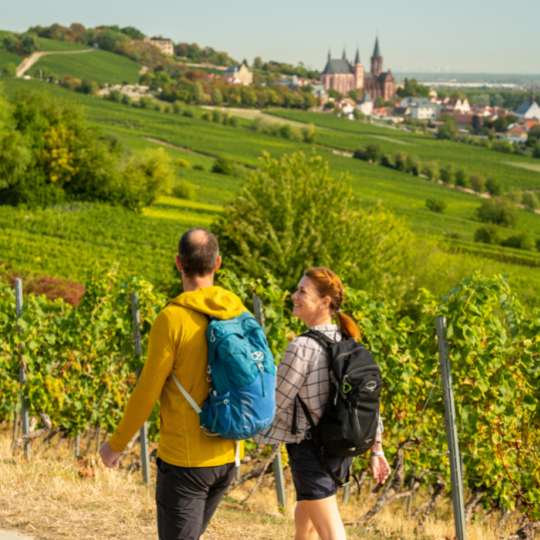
column 376, row 60
column 358, row 72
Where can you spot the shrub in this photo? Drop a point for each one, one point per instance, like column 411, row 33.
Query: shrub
column 233, row 121
column 183, row 163
column 431, row 170
column 493, row 186
column 478, row 183
column 537, row 244
column 360, row 154
column 530, row 200
column 497, row 211
column 198, row 167
column 373, row 152
column 400, row 161
column 223, row 166
column 413, row 165
column 291, row 213
column 217, row 118
column 519, row 241
column 460, row 177
column 436, row 205
column 536, row 150
column 188, row 113
column 386, row 161
column 447, row 173
column 488, row 234
column 184, row 190
column 206, row 117
column 308, row 133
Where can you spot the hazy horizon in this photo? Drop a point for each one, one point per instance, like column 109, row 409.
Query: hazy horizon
column 461, row 38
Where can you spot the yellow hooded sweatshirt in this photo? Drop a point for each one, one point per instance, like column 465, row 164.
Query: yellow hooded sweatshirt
column 177, row 344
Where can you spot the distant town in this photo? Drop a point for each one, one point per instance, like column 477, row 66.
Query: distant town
column 346, row 85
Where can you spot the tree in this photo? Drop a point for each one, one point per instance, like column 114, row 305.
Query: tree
column 448, row 129
column 488, row 234
column 533, row 136
column 436, row 205
column 292, row 213
column 412, row 87
column 497, row 211
column 493, row 186
column 478, row 183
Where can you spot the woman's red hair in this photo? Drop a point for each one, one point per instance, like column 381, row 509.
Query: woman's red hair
column 328, row 284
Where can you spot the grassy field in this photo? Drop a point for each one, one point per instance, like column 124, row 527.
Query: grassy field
column 514, row 172
column 99, row 66
column 57, row 235
column 86, row 501
column 50, row 45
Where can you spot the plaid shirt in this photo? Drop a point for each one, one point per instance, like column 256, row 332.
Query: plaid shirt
column 302, row 372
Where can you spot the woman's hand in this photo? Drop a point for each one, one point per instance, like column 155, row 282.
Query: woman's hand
column 379, row 467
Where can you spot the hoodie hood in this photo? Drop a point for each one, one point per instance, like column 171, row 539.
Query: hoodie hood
column 213, row 301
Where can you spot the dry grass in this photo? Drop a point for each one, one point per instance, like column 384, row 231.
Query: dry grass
column 53, row 496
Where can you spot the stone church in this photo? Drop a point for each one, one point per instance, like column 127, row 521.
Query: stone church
column 342, row 76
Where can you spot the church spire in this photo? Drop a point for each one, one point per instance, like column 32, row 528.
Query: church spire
column 357, row 57
column 344, row 55
column 376, row 49
column 329, row 55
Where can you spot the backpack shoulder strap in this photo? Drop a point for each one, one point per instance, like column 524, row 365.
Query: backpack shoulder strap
column 194, row 405
column 323, row 340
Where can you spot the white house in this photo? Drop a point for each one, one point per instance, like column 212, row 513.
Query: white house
column 529, row 110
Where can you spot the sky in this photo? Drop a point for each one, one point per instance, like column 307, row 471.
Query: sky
column 481, row 36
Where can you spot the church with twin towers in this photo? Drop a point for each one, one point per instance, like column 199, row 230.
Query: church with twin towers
column 343, row 76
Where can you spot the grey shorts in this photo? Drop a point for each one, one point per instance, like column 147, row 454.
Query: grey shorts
column 311, row 479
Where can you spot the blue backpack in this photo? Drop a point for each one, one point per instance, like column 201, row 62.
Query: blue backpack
column 241, row 402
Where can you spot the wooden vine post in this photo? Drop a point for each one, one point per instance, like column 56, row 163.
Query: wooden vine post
column 143, row 434
column 451, row 431
column 25, row 416
column 277, row 464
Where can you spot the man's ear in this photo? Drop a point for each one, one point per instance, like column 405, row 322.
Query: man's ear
column 217, row 266
column 178, row 264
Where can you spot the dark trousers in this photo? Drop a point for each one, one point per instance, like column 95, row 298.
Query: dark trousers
column 187, row 497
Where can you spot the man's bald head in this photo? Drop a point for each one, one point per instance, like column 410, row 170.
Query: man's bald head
column 198, row 250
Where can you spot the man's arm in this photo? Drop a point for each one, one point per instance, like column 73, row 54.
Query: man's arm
column 157, row 368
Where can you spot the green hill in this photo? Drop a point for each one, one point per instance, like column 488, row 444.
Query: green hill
column 48, row 241
column 94, row 65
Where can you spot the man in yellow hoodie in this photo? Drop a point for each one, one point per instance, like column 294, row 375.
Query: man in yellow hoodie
column 194, row 470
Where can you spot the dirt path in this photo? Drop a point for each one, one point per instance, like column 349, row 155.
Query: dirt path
column 11, row 535
column 29, row 61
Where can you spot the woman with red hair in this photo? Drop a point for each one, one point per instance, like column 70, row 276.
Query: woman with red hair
column 304, row 374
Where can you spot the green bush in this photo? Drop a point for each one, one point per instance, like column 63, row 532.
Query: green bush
column 436, row 205
column 291, row 213
column 493, row 186
column 185, row 190
column 530, row 200
column 478, row 183
column 413, row 165
column 497, row 211
column 519, row 241
column 447, row 173
column 461, row 178
column 223, row 166
column 488, row 234
column 308, row 133
column 183, row 163
column 431, row 170
column 198, row 167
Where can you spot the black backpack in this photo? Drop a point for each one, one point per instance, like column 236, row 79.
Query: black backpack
column 350, row 419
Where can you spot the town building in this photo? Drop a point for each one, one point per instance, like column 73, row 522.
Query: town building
column 239, row 75
column 166, row 46
column 343, row 77
column 529, row 110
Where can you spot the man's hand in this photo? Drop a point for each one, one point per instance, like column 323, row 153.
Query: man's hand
column 109, row 457
column 380, row 468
